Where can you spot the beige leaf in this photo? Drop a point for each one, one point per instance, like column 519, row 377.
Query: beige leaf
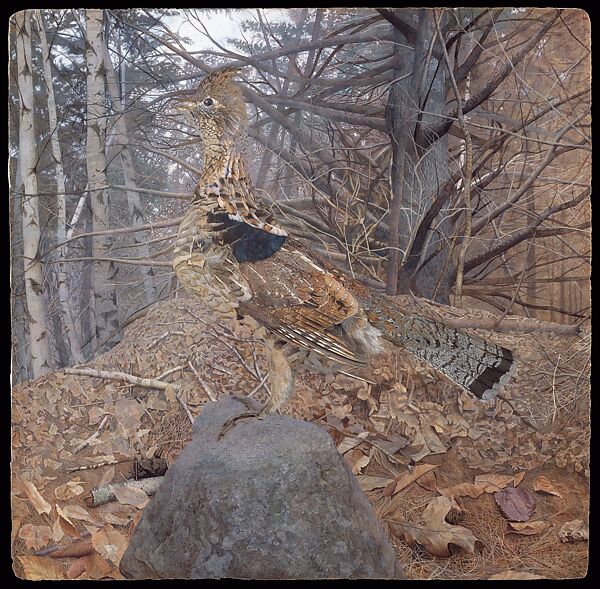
column 96, row 567
column 107, row 477
column 543, row 485
column 462, row 489
column 357, row 460
column 40, row 504
column 65, row 523
column 436, row 535
column 68, row 490
column 76, row 569
column 110, row 544
column 57, row 531
column 350, row 442
column 116, row 513
column 16, row 524
column 410, row 478
column 77, row 512
column 35, row 537
column 494, row 482
column 428, row 481
column 38, row 568
column 171, row 394
column 518, row 478
column 75, row 486
column 130, row 496
column 529, row 528
column 368, row 482
column 510, row 575
column 19, row 507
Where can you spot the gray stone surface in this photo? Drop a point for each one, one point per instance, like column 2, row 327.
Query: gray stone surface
column 272, row 499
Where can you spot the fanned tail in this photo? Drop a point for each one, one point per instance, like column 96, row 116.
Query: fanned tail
column 474, row 363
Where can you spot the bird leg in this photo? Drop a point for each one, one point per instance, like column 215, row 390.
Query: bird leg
column 281, row 377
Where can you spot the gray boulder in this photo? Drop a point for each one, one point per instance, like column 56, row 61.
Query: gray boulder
column 272, row 499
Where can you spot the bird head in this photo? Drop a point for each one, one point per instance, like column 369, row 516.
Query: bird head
column 217, row 107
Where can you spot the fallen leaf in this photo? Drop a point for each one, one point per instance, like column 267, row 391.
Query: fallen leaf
column 107, row 477
column 436, row 535
column 428, row 481
column 76, row 569
column 116, row 513
column 35, row 537
column 543, row 485
column 516, row 504
column 462, row 489
column 574, row 531
column 40, row 504
column 518, row 478
column 357, row 460
column 131, row 496
column 77, row 512
column 66, row 524
column 410, row 478
column 96, row 567
column 110, row 544
column 368, row 482
column 493, row 482
column 16, row 524
column 510, row 575
column 57, row 531
column 38, row 568
column 528, row 528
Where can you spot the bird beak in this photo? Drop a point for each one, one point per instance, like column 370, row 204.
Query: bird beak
column 184, row 106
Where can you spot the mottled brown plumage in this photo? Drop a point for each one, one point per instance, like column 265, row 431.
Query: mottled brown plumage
column 233, row 254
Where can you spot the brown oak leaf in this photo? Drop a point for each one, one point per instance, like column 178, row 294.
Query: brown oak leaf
column 435, row 534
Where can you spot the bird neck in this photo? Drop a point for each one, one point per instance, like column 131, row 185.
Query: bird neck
column 223, row 160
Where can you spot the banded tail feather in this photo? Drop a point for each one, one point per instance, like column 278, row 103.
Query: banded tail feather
column 474, row 363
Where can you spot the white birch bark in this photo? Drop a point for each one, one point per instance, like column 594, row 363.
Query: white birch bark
column 121, row 139
column 103, row 273
column 34, row 294
column 66, row 313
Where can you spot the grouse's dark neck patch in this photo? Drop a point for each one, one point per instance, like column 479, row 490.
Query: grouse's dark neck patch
column 248, row 244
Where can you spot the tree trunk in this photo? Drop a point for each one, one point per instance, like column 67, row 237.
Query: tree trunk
column 34, row 294
column 21, row 361
column 103, row 273
column 419, row 170
column 64, row 297
column 136, row 216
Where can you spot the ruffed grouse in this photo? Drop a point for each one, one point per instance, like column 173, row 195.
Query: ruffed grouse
column 233, row 254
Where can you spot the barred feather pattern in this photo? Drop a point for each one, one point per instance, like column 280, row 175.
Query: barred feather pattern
column 204, row 267
column 474, row 363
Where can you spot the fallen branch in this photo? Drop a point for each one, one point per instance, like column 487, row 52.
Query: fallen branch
column 509, row 325
column 106, row 494
column 99, row 465
column 150, row 383
column 55, row 547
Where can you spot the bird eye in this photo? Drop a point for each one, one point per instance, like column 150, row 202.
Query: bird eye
column 208, row 102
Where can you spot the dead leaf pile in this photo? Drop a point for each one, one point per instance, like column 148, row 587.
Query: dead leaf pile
column 395, row 435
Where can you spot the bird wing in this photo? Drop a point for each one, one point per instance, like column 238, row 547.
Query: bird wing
column 303, row 303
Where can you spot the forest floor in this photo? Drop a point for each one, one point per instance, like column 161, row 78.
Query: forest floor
column 435, row 463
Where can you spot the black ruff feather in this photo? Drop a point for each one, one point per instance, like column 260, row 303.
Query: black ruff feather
column 248, row 243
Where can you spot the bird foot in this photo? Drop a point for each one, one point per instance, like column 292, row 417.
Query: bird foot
column 232, row 421
column 252, row 413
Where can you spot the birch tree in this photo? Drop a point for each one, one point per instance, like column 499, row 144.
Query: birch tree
column 66, row 313
column 34, row 289
column 121, row 139
column 104, row 270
